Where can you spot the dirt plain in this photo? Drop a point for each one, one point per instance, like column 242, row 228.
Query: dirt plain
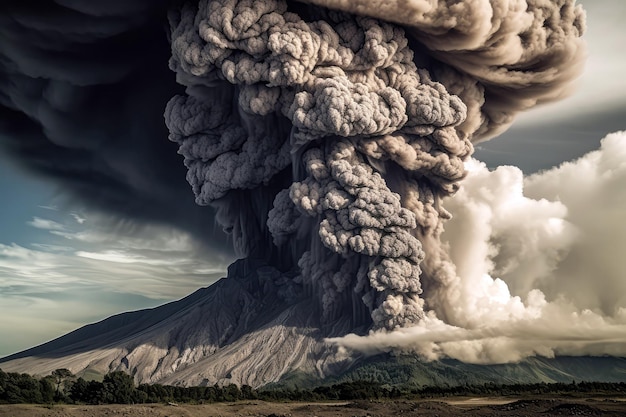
column 496, row 406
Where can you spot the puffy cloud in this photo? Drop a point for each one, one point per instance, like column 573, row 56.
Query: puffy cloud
column 493, row 48
column 552, row 241
column 591, row 188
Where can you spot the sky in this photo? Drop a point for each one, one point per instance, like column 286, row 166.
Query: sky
column 63, row 264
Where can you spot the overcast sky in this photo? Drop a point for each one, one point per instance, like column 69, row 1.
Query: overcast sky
column 62, row 266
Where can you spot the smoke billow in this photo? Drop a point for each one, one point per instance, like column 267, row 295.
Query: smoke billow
column 328, row 140
column 327, row 136
column 526, row 249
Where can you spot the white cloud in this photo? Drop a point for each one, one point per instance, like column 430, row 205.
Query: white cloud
column 539, row 262
column 165, row 277
column 120, row 257
column 45, row 224
column 79, row 219
column 594, row 190
column 50, row 248
column 26, row 267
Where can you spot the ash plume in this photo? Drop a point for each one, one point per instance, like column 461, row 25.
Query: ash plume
column 328, row 140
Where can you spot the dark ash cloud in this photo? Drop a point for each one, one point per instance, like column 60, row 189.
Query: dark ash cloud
column 82, row 92
column 345, row 132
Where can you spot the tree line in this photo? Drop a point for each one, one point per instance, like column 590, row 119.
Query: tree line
column 119, row 388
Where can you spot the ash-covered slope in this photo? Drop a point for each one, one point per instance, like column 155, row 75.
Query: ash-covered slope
column 243, row 329
column 249, row 329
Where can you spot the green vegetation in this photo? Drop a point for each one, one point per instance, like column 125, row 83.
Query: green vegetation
column 409, row 370
column 119, row 388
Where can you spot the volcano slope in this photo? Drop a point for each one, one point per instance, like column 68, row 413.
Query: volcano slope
column 255, row 337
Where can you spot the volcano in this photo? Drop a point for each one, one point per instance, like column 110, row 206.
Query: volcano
column 326, row 138
column 244, row 329
column 241, row 329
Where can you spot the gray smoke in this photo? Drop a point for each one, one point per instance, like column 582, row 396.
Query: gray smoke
column 526, row 248
column 327, row 139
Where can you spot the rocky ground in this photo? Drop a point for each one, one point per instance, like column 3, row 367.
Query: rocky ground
column 440, row 407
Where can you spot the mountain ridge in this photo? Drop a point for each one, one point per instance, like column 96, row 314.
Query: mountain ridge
column 243, row 329
column 250, row 328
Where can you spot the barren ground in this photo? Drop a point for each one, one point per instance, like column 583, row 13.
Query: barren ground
column 496, row 406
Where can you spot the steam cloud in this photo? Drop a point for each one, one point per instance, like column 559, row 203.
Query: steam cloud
column 526, row 249
column 327, row 136
column 348, row 139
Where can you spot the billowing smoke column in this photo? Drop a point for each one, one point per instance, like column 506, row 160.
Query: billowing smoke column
column 327, row 140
